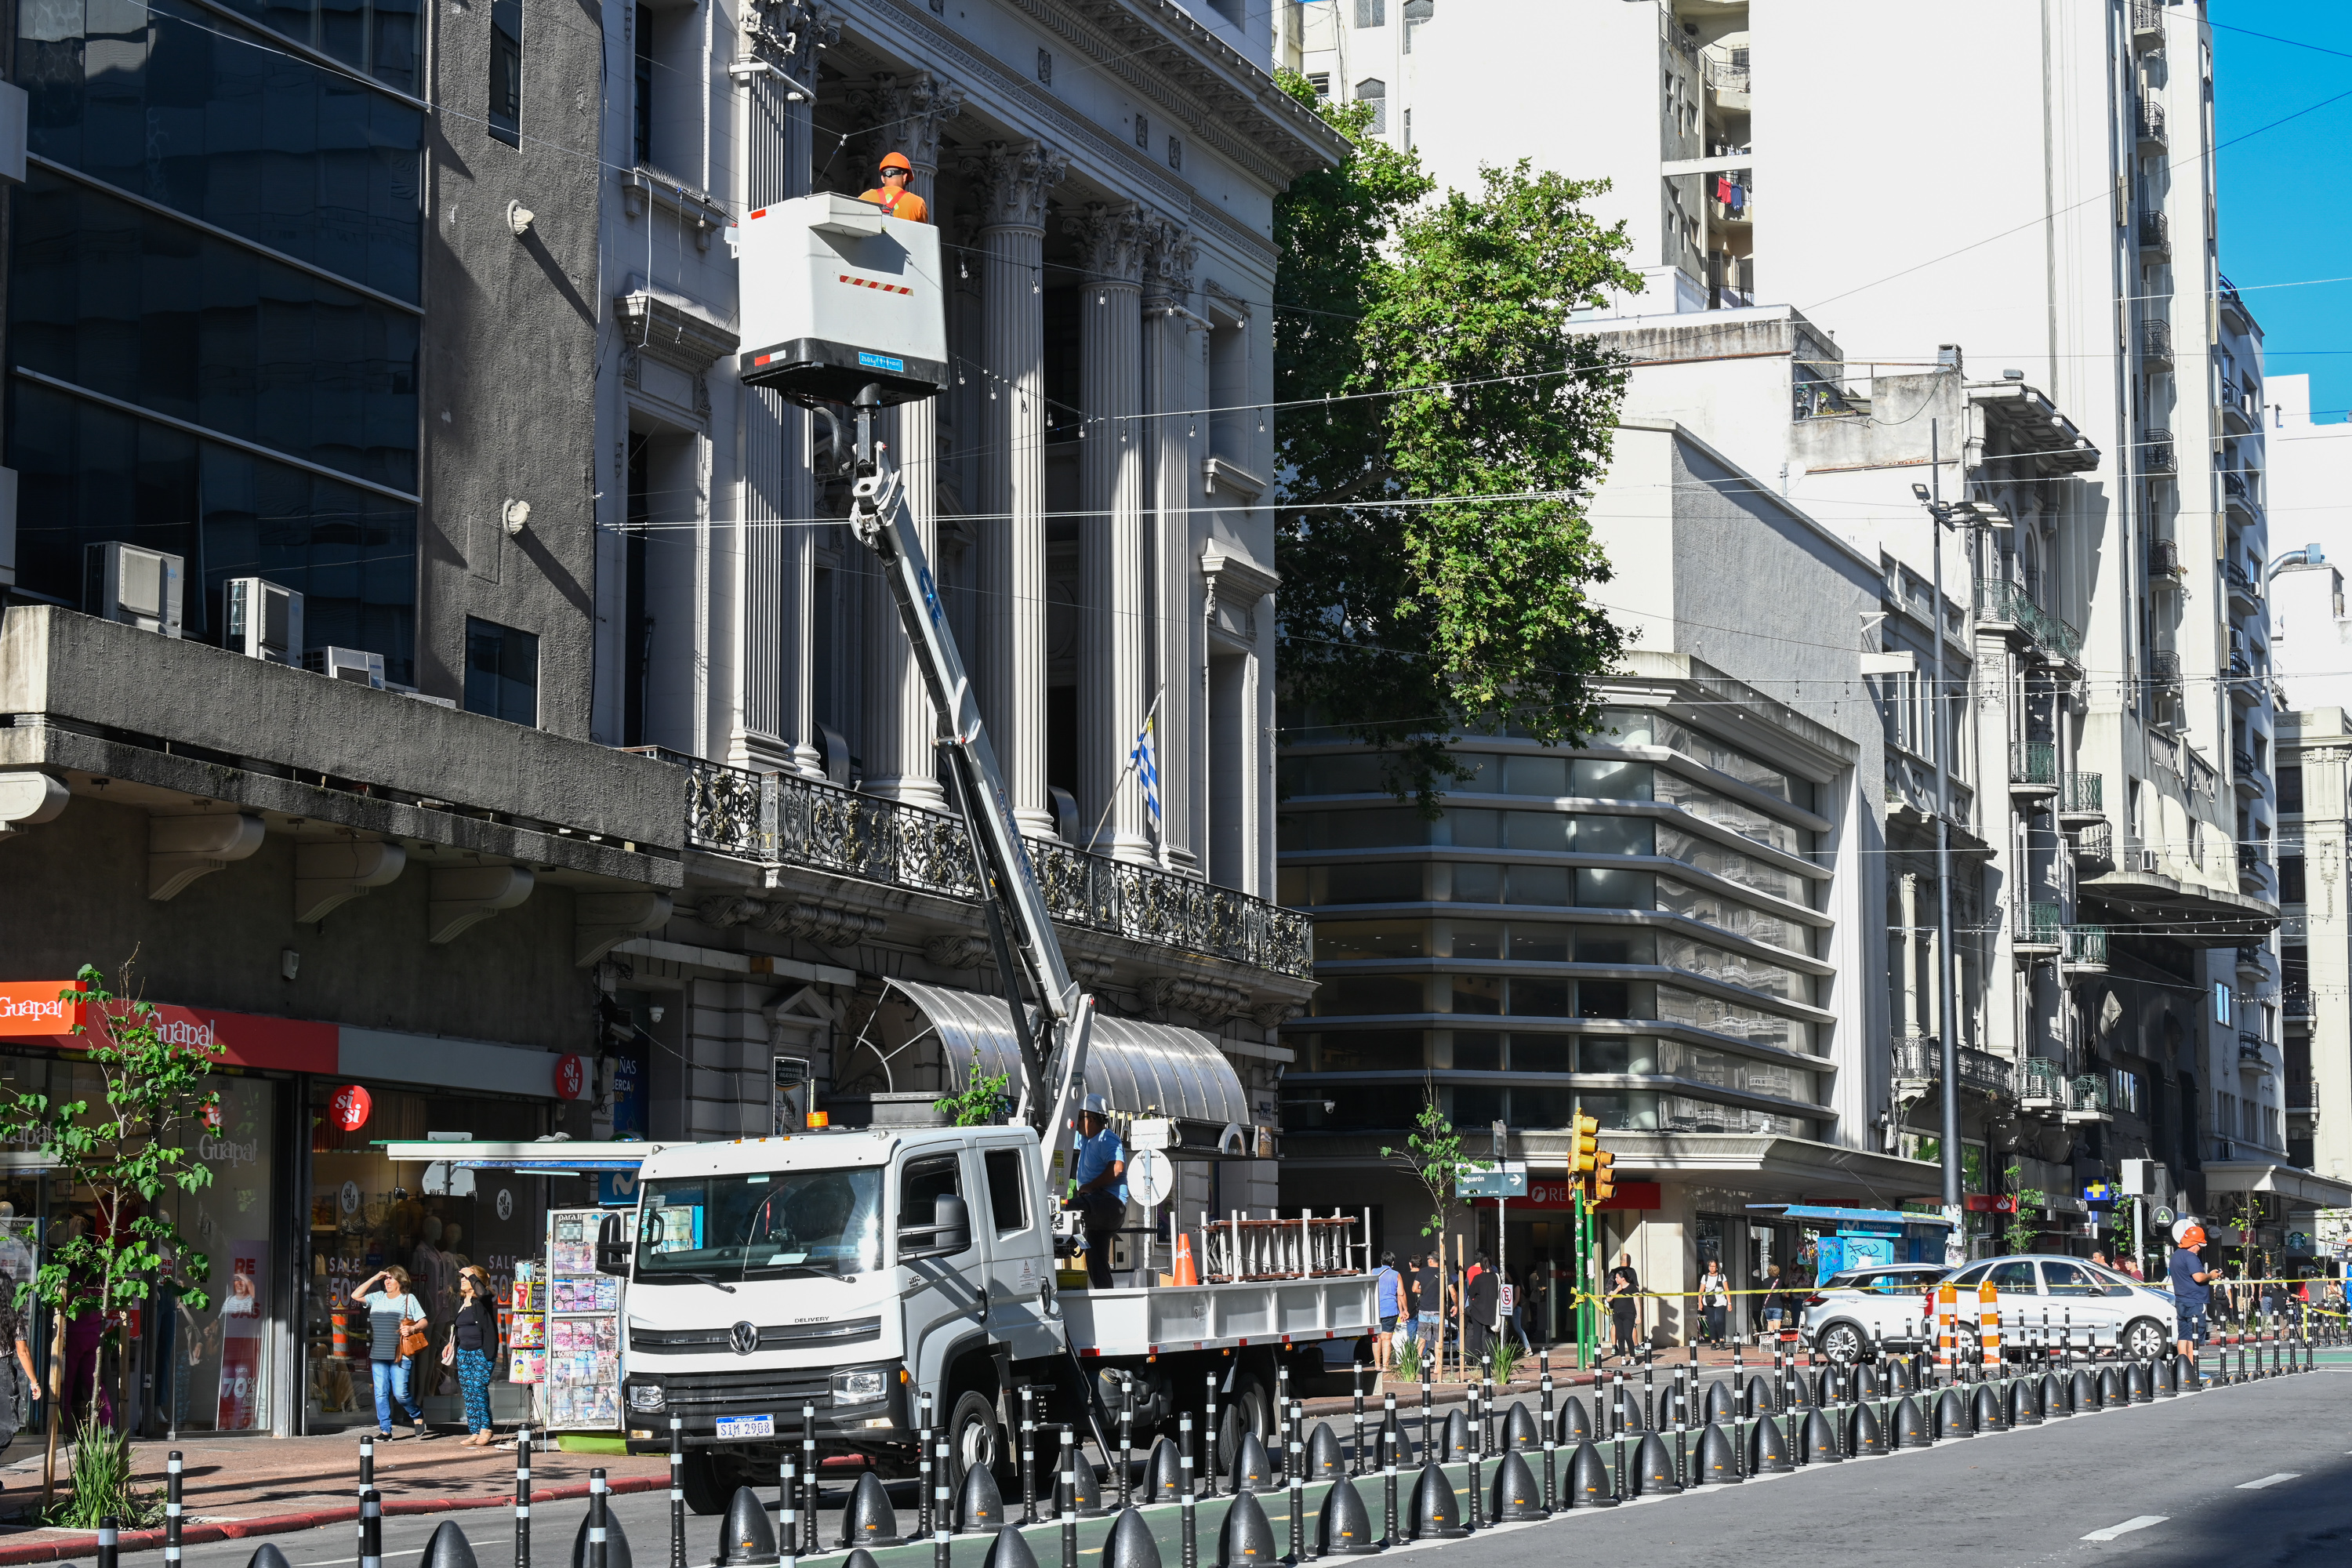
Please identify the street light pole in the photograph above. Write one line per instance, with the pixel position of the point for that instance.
(1948, 1041)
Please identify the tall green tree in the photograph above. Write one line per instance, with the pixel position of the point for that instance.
(1443, 434)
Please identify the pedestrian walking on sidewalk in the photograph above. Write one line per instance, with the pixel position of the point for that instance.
(395, 1325)
(472, 1349)
(1715, 1301)
(1774, 1302)
(1624, 1304)
(1388, 1292)
(1483, 1301)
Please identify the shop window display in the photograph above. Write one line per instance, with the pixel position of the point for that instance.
(368, 1212)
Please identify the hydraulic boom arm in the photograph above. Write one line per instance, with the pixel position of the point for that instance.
(1054, 1077)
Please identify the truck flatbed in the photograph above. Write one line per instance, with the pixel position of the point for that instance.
(1163, 1320)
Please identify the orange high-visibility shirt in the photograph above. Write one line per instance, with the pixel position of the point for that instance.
(906, 205)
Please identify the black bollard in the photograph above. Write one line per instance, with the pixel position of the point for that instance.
(1213, 1436)
(1649, 1396)
(1126, 1439)
(979, 1506)
(371, 1529)
(924, 1449)
(1009, 1550)
(1588, 1479)
(1475, 1521)
(942, 1469)
(788, 1509)
(1189, 1534)
(1324, 1460)
(599, 1520)
(1389, 1536)
(1185, 1486)
(1281, 1410)
(1515, 1499)
(106, 1541)
(367, 1481)
(1654, 1468)
(1029, 1453)
(1356, 1454)
(1298, 1480)
(522, 1498)
(810, 1495)
(1719, 1458)
(1427, 1399)
(1768, 1450)
(1065, 1499)
(678, 1492)
(172, 1510)
(1435, 1516)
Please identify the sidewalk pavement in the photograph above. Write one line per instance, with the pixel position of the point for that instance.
(242, 1486)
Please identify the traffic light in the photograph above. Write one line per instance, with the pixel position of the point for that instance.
(1604, 1175)
(1588, 1143)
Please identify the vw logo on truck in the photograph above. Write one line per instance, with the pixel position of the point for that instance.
(743, 1339)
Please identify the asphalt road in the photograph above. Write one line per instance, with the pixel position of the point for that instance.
(2255, 1475)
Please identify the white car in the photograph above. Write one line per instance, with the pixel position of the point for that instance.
(2044, 1297)
(1851, 1314)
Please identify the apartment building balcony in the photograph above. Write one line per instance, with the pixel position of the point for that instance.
(2152, 137)
(2253, 871)
(2251, 968)
(2238, 495)
(2154, 230)
(2155, 452)
(2155, 337)
(1919, 1066)
(2086, 950)
(2233, 306)
(2040, 929)
(2246, 778)
(2041, 1086)
(2082, 800)
(2148, 25)
(2005, 607)
(2093, 847)
(2033, 770)
(2089, 1098)
(2146, 890)
(2240, 412)
(2254, 1052)
(2295, 1001)
(2246, 593)
(1723, 72)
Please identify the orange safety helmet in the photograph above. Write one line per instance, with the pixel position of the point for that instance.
(2193, 1237)
(896, 161)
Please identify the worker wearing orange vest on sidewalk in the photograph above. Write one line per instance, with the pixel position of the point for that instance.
(893, 197)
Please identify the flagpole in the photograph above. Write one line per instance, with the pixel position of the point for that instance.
(1118, 783)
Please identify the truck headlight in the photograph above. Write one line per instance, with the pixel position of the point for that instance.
(647, 1396)
(856, 1387)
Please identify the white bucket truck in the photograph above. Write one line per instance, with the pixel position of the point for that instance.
(839, 1276)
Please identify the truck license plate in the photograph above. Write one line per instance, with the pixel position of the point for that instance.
(747, 1426)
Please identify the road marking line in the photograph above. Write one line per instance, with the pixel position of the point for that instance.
(2128, 1526)
(2268, 1481)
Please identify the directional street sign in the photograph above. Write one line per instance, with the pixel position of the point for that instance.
(1509, 1182)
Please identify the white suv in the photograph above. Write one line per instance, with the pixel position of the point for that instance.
(1851, 1314)
(2067, 1298)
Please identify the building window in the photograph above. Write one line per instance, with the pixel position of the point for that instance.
(1046, 67)
(2291, 888)
(645, 84)
(1372, 12)
(1375, 91)
(2289, 780)
(1408, 130)
(1416, 11)
(1143, 131)
(506, 71)
(502, 672)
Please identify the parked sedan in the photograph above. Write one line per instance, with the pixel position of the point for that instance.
(1851, 1314)
(2049, 1299)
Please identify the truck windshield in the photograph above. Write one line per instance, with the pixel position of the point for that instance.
(768, 1223)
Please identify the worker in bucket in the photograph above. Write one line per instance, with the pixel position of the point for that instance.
(1102, 1186)
(893, 197)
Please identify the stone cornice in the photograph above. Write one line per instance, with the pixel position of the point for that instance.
(936, 47)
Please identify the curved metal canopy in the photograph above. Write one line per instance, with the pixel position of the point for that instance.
(1142, 1069)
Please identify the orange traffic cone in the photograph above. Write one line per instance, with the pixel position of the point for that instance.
(1185, 1273)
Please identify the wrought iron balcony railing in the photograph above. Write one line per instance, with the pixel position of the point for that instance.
(2087, 946)
(790, 820)
(2156, 451)
(2034, 763)
(2082, 794)
(2041, 1079)
(2090, 1092)
(1920, 1058)
(2003, 602)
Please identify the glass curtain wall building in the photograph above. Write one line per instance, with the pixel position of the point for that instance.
(1636, 926)
(216, 303)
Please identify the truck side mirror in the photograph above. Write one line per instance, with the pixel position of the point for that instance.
(612, 1252)
(950, 1224)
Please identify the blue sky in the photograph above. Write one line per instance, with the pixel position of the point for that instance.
(2280, 223)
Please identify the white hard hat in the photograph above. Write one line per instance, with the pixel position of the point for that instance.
(2182, 1226)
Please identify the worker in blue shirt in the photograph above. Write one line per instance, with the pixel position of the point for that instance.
(2191, 1286)
(1102, 1186)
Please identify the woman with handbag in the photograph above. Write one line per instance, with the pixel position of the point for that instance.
(473, 1349)
(395, 1332)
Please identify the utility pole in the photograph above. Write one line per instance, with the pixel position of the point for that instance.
(1948, 1031)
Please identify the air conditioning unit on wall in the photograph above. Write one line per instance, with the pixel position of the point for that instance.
(132, 585)
(264, 621)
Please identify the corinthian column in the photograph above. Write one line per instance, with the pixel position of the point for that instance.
(898, 725)
(1181, 652)
(1013, 178)
(1112, 568)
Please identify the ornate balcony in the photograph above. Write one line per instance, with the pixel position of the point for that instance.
(2090, 1099)
(2007, 604)
(2039, 929)
(2082, 799)
(2156, 451)
(2152, 124)
(2147, 25)
(784, 819)
(1919, 1059)
(2032, 768)
(2156, 237)
(2087, 949)
(2041, 1085)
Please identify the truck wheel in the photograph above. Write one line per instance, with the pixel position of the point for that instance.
(974, 1435)
(699, 1478)
(1248, 1408)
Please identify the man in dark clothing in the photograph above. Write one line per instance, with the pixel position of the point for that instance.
(1624, 1304)
(2191, 1287)
(1426, 1282)
(1484, 1294)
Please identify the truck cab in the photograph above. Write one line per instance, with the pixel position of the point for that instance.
(832, 1278)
